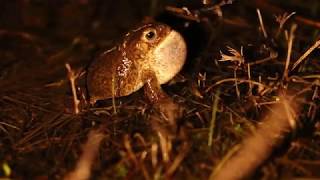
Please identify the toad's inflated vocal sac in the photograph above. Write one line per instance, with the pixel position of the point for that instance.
(147, 56)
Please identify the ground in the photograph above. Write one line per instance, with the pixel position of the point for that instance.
(244, 59)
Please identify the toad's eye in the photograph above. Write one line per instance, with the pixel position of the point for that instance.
(150, 35)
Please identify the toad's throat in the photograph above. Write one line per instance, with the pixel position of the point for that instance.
(169, 56)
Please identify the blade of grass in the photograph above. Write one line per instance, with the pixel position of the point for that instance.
(226, 158)
(290, 42)
(213, 117)
(114, 93)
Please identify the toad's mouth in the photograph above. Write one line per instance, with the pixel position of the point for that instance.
(170, 56)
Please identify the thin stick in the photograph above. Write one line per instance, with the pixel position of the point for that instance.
(303, 57)
(282, 19)
(249, 77)
(240, 81)
(258, 147)
(213, 117)
(72, 77)
(265, 35)
(267, 6)
(87, 159)
(290, 41)
(133, 157)
(114, 94)
(165, 145)
(224, 160)
(154, 153)
(177, 161)
(236, 83)
(273, 55)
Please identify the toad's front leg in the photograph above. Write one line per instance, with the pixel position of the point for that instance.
(165, 105)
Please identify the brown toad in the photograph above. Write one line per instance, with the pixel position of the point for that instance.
(147, 56)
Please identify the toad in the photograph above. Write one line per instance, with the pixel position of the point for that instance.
(148, 56)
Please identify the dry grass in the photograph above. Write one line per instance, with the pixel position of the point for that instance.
(228, 90)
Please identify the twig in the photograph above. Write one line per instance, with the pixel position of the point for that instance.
(177, 161)
(265, 35)
(249, 78)
(9, 125)
(239, 82)
(213, 117)
(282, 19)
(183, 13)
(11, 99)
(114, 93)
(224, 160)
(255, 149)
(266, 6)
(290, 41)
(133, 157)
(72, 77)
(313, 108)
(303, 57)
(273, 55)
(89, 154)
(236, 83)
(195, 15)
(154, 153)
(165, 145)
